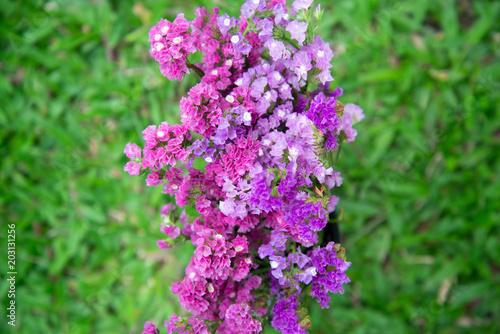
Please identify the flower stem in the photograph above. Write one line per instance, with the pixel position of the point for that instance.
(338, 153)
(195, 68)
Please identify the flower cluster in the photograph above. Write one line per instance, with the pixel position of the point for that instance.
(263, 127)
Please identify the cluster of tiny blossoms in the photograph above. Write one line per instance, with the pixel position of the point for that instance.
(265, 125)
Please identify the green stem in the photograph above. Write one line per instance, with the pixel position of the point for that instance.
(195, 68)
(330, 159)
(292, 42)
(260, 270)
(338, 153)
(247, 29)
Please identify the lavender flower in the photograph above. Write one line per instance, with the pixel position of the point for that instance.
(225, 22)
(300, 4)
(297, 30)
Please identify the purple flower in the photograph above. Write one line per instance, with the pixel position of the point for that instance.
(322, 55)
(324, 76)
(355, 111)
(330, 273)
(225, 22)
(299, 258)
(265, 27)
(275, 245)
(251, 6)
(300, 4)
(297, 30)
(227, 207)
(324, 116)
(258, 87)
(352, 114)
(277, 49)
(301, 64)
(332, 203)
(259, 127)
(278, 264)
(239, 44)
(334, 180)
(280, 14)
(307, 275)
(285, 318)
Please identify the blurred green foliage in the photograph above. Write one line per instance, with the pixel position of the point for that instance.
(421, 192)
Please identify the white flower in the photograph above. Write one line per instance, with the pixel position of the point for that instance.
(159, 46)
(247, 116)
(293, 151)
(235, 39)
(303, 69)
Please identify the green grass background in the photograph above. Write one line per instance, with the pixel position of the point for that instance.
(421, 192)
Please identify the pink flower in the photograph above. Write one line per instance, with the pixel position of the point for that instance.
(171, 43)
(192, 295)
(132, 168)
(162, 244)
(154, 179)
(171, 230)
(132, 151)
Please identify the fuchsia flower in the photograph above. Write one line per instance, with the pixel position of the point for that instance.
(132, 151)
(260, 126)
(132, 168)
(150, 328)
